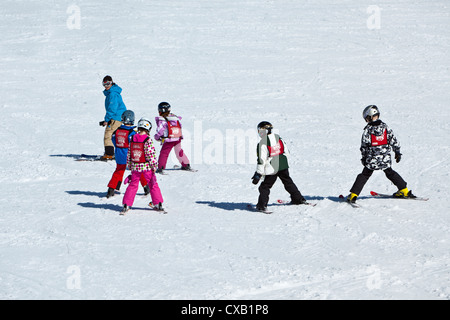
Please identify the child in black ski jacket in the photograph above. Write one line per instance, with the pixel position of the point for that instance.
(376, 144)
(272, 164)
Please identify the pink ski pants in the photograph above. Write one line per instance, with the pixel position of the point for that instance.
(165, 151)
(132, 188)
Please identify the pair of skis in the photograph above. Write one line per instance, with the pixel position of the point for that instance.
(342, 198)
(152, 207)
(381, 195)
(280, 201)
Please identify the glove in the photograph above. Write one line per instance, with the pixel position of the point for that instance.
(398, 157)
(127, 179)
(256, 177)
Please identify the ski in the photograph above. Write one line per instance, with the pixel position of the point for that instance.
(354, 205)
(287, 202)
(87, 157)
(152, 207)
(90, 157)
(177, 167)
(390, 196)
(253, 208)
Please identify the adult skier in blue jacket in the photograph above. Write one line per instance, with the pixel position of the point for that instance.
(115, 107)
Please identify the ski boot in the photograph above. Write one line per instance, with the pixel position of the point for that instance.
(146, 190)
(352, 197)
(186, 167)
(160, 170)
(301, 200)
(261, 209)
(404, 193)
(110, 193)
(157, 207)
(124, 210)
(107, 157)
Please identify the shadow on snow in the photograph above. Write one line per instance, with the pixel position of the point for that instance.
(87, 193)
(229, 206)
(74, 156)
(232, 206)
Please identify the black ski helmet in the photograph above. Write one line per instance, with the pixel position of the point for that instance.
(164, 107)
(265, 125)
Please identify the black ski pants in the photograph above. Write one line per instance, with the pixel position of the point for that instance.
(362, 178)
(289, 185)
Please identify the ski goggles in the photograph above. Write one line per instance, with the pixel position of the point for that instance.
(107, 83)
(263, 132)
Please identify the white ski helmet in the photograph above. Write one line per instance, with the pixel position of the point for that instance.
(370, 111)
(144, 123)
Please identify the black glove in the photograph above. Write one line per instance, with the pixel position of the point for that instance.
(102, 123)
(256, 177)
(398, 157)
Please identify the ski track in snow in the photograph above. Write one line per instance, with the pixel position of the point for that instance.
(309, 68)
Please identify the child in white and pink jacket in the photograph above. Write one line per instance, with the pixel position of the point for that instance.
(168, 131)
(141, 160)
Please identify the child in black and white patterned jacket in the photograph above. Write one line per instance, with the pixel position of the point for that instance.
(377, 142)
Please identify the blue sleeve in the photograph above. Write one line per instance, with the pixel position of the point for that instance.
(111, 106)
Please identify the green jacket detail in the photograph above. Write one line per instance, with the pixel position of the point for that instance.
(272, 155)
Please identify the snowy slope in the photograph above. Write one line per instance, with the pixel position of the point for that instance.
(309, 67)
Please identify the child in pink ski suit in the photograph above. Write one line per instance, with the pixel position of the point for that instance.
(141, 160)
(169, 133)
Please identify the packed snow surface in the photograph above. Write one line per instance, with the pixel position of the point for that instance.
(308, 67)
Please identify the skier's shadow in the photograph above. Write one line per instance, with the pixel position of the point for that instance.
(107, 206)
(87, 193)
(229, 206)
(334, 199)
(65, 155)
(74, 156)
(115, 207)
(232, 206)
